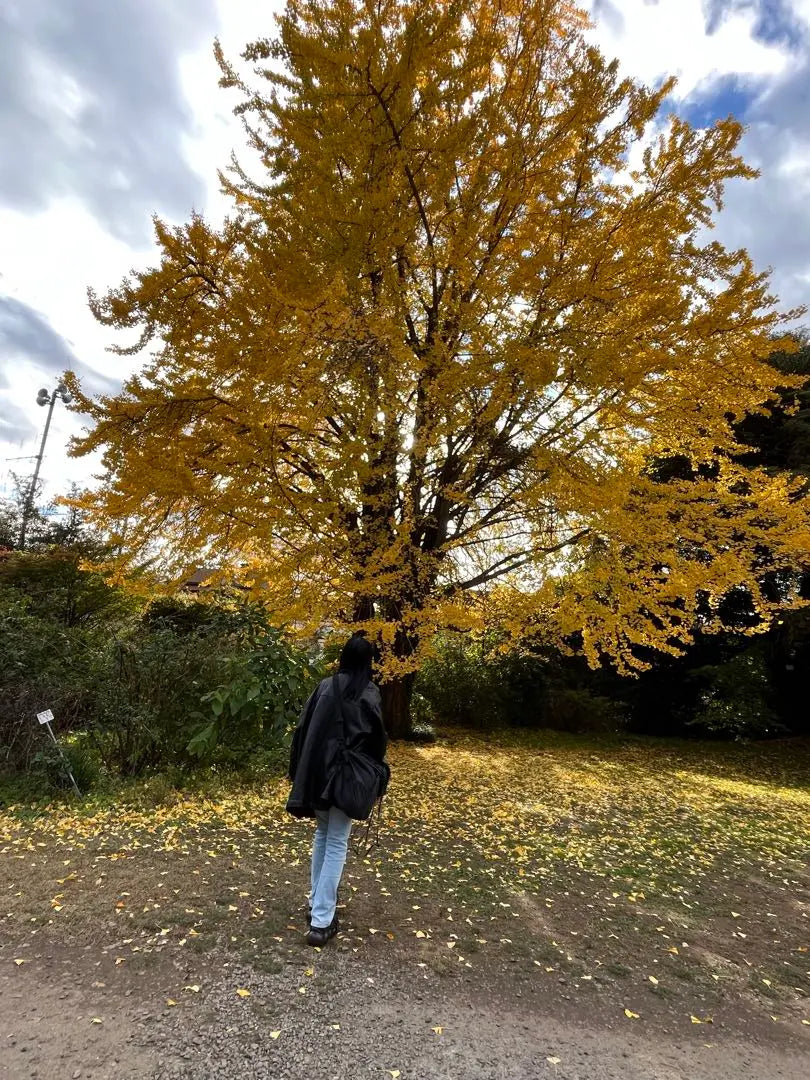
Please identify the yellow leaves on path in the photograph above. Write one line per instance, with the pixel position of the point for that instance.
(274, 1034)
(438, 1030)
(96, 1020)
(673, 833)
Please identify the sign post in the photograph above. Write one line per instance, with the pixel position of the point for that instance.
(45, 719)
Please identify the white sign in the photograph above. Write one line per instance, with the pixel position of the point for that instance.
(45, 717)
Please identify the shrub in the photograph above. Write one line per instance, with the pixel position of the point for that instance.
(734, 698)
(60, 589)
(457, 686)
(580, 710)
(469, 681)
(48, 767)
(213, 691)
(45, 665)
(188, 684)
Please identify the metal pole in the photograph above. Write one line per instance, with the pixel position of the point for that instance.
(32, 488)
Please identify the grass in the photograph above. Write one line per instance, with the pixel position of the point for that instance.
(673, 874)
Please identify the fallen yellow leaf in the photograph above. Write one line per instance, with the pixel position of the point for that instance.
(438, 1030)
(553, 1060)
(653, 980)
(274, 1034)
(310, 972)
(194, 989)
(395, 1073)
(631, 1015)
(170, 1001)
(96, 1020)
(243, 993)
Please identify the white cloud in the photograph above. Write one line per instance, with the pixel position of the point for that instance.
(51, 254)
(54, 254)
(217, 133)
(655, 40)
(769, 216)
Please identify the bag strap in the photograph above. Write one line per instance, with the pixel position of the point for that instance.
(367, 843)
(338, 696)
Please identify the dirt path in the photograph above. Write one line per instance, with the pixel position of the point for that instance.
(357, 1017)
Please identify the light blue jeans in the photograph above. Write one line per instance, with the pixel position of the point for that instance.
(329, 850)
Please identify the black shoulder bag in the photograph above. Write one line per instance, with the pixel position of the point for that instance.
(356, 780)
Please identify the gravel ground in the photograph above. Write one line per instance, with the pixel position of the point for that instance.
(357, 1017)
(387, 1025)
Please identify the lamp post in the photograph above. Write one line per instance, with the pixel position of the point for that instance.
(43, 398)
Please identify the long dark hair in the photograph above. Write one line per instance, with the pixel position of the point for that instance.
(356, 658)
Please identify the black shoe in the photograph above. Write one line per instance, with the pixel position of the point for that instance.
(319, 935)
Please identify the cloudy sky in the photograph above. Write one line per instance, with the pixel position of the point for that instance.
(109, 112)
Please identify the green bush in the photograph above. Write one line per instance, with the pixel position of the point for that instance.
(734, 699)
(46, 665)
(61, 590)
(457, 686)
(213, 694)
(579, 710)
(48, 767)
(469, 681)
(188, 683)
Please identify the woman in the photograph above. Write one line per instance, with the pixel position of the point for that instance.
(313, 755)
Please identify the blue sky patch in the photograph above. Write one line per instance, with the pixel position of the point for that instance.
(727, 96)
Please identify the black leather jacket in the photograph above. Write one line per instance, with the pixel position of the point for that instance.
(315, 741)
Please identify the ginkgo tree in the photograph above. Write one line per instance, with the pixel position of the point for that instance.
(465, 295)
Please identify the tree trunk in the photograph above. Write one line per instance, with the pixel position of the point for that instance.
(396, 706)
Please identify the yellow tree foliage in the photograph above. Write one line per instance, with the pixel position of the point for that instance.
(466, 298)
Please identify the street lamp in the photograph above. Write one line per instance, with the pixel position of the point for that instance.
(43, 398)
